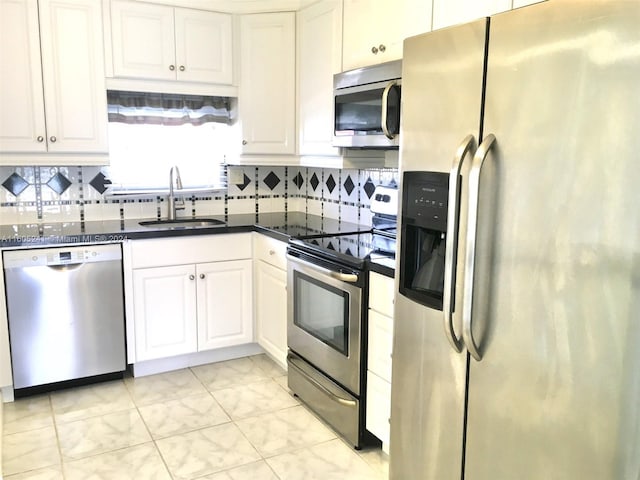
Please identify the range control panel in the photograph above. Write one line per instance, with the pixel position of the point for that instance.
(424, 199)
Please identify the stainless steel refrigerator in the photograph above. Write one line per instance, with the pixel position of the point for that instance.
(528, 366)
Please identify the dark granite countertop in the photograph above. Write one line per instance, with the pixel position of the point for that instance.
(382, 264)
(277, 225)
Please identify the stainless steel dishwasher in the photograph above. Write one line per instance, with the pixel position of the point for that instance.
(66, 313)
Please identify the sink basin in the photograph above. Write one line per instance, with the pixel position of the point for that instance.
(183, 223)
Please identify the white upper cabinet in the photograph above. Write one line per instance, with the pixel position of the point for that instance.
(52, 89)
(266, 97)
(319, 58)
(159, 42)
(452, 12)
(375, 29)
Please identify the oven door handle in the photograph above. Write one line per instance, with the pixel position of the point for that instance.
(343, 277)
(319, 386)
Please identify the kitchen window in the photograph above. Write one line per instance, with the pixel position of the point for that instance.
(151, 132)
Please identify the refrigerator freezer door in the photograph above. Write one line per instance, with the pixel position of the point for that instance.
(442, 95)
(557, 284)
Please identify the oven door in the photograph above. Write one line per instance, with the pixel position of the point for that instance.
(324, 312)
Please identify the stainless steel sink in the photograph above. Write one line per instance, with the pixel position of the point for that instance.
(183, 223)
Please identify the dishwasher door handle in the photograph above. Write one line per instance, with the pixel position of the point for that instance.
(66, 267)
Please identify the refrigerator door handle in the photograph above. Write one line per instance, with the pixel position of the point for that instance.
(451, 248)
(474, 194)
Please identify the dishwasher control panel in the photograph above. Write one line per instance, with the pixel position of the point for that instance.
(60, 256)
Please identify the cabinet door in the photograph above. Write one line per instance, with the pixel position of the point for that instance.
(271, 310)
(374, 30)
(319, 58)
(21, 101)
(143, 40)
(380, 345)
(267, 85)
(165, 311)
(203, 46)
(452, 12)
(225, 306)
(378, 408)
(73, 74)
(381, 293)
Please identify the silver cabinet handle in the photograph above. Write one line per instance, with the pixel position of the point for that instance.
(385, 103)
(172, 67)
(470, 259)
(272, 252)
(382, 48)
(450, 257)
(182, 68)
(244, 142)
(40, 139)
(53, 139)
(202, 276)
(319, 386)
(374, 50)
(192, 277)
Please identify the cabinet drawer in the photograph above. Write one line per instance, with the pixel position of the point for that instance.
(380, 345)
(160, 252)
(270, 250)
(381, 291)
(378, 406)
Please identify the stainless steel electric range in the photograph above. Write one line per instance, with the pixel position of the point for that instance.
(327, 307)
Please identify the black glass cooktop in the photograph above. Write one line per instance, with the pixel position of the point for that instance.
(353, 249)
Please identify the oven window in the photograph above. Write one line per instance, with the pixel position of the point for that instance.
(322, 311)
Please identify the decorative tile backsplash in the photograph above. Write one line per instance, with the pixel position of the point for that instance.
(66, 194)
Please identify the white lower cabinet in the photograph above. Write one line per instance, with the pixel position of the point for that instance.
(225, 316)
(271, 296)
(165, 311)
(191, 306)
(380, 344)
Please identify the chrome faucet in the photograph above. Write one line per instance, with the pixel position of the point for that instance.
(172, 198)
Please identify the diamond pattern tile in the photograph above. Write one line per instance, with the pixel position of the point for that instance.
(349, 185)
(15, 184)
(271, 180)
(369, 187)
(314, 182)
(100, 183)
(298, 180)
(245, 183)
(59, 183)
(331, 183)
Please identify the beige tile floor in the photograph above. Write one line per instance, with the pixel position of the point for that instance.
(231, 420)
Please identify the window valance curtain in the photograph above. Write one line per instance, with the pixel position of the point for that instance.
(167, 109)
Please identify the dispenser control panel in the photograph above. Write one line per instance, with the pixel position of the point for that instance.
(425, 196)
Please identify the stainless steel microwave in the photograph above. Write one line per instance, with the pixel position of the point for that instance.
(367, 106)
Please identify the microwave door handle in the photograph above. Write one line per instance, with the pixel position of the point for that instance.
(385, 103)
(450, 258)
(343, 277)
(472, 226)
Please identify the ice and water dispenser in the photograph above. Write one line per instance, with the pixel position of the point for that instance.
(423, 236)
